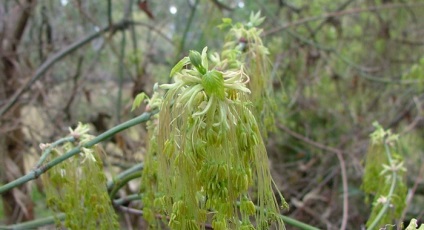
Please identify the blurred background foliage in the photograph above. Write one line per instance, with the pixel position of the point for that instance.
(337, 66)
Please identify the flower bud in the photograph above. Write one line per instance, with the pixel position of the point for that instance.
(196, 61)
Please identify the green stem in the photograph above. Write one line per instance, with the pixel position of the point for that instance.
(121, 77)
(135, 168)
(297, 224)
(127, 199)
(123, 182)
(391, 191)
(61, 216)
(104, 136)
(34, 224)
(49, 149)
(292, 222)
(50, 220)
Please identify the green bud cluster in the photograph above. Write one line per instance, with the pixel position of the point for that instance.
(77, 187)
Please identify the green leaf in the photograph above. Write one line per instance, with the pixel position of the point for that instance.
(413, 225)
(213, 83)
(255, 19)
(138, 100)
(179, 66)
(226, 22)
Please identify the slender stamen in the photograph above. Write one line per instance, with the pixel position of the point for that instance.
(208, 106)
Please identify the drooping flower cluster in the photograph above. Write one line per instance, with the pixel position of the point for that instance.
(77, 187)
(243, 47)
(211, 160)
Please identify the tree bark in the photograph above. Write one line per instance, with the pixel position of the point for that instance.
(14, 18)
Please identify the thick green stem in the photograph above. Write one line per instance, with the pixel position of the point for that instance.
(104, 136)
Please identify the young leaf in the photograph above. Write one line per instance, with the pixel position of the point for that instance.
(226, 22)
(179, 66)
(213, 83)
(138, 100)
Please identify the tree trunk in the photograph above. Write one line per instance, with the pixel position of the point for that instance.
(14, 17)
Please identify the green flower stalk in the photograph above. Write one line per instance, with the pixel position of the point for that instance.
(77, 187)
(212, 161)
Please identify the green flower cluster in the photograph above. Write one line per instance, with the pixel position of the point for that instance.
(77, 187)
(149, 176)
(384, 178)
(244, 46)
(211, 161)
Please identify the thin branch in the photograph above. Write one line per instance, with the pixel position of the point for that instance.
(140, 212)
(411, 193)
(67, 108)
(128, 10)
(34, 224)
(127, 199)
(417, 119)
(135, 168)
(57, 57)
(109, 12)
(339, 14)
(121, 183)
(187, 28)
(68, 50)
(222, 6)
(363, 71)
(301, 205)
(104, 136)
(153, 28)
(61, 216)
(121, 76)
(50, 147)
(339, 9)
(339, 155)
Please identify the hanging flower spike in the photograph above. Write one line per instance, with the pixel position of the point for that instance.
(210, 151)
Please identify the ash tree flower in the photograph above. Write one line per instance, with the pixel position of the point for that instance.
(210, 153)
